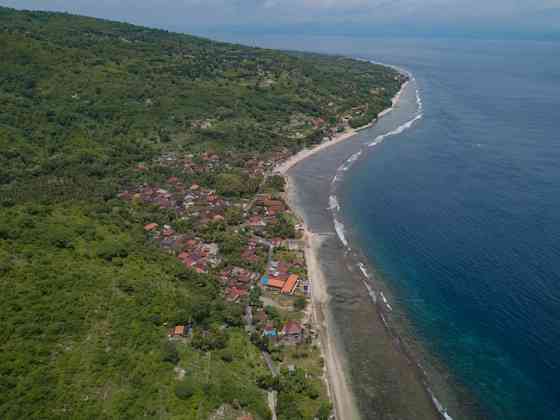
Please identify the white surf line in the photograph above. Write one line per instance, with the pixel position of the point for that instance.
(333, 203)
(400, 129)
(339, 227)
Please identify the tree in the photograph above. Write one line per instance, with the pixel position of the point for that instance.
(184, 390)
(300, 303)
(169, 353)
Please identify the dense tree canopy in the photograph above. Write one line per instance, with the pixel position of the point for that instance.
(87, 301)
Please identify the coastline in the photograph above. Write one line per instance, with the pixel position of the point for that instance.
(283, 168)
(336, 377)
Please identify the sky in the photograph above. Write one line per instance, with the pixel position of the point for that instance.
(429, 17)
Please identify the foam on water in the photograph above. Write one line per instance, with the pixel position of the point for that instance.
(334, 206)
(396, 131)
(333, 203)
(339, 228)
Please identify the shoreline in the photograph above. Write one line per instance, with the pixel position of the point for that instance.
(337, 380)
(345, 135)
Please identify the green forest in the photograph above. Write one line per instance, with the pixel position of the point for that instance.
(87, 301)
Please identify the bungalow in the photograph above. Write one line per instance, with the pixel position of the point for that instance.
(269, 330)
(233, 294)
(260, 317)
(178, 331)
(261, 199)
(168, 231)
(275, 205)
(256, 221)
(150, 227)
(292, 333)
(218, 218)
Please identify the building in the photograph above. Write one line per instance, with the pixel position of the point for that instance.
(292, 333)
(290, 285)
(150, 227)
(269, 331)
(274, 282)
(178, 331)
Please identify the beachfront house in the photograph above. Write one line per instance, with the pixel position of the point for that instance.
(292, 333)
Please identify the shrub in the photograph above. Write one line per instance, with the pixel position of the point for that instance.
(112, 249)
(227, 356)
(184, 390)
(300, 303)
(170, 353)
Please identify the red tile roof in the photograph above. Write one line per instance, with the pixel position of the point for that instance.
(179, 330)
(276, 282)
(290, 284)
(291, 328)
(150, 226)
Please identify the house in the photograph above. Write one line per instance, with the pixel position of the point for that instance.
(269, 330)
(273, 282)
(178, 331)
(168, 231)
(150, 227)
(293, 244)
(292, 333)
(256, 221)
(290, 285)
(260, 317)
(233, 294)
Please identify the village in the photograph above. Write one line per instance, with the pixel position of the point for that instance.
(251, 243)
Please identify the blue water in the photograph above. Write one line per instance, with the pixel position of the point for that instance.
(461, 215)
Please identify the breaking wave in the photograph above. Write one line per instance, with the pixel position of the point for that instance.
(346, 165)
(396, 131)
(377, 296)
(333, 203)
(339, 228)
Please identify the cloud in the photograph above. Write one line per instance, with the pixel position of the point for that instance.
(187, 14)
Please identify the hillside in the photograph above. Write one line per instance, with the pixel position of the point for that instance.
(128, 156)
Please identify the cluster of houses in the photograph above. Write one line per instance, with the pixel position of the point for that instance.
(192, 252)
(237, 282)
(264, 213)
(199, 255)
(147, 194)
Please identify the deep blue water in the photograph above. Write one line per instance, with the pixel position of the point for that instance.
(461, 215)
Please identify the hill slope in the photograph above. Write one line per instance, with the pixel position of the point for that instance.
(91, 107)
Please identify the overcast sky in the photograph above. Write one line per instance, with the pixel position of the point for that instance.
(538, 16)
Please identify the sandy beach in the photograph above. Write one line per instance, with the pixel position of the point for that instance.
(339, 389)
(305, 153)
(370, 372)
(345, 135)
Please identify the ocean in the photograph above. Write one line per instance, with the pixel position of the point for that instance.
(461, 216)
(458, 215)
